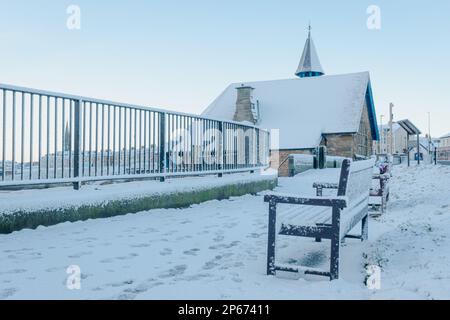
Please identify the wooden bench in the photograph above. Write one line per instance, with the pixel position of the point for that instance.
(322, 217)
(379, 193)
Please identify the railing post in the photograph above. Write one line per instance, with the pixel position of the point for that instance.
(77, 145)
(162, 145)
(222, 152)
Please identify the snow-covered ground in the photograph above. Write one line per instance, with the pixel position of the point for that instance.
(217, 250)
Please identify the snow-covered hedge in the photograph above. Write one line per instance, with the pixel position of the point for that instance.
(30, 209)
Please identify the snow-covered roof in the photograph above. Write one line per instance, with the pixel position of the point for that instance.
(445, 136)
(309, 61)
(304, 108)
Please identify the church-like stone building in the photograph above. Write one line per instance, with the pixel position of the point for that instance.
(310, 110)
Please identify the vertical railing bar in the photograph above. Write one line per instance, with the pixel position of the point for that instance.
(185, 152)
(198, 151)
(78, 107)
(13, 164)
(129, 139)
(162, 143)
(145, 140)
(180, 144)
(40, 137)
(31, 135)
(120, 139)
(4, 137)
(109, 140)
(114, 141)
(83, 108)
(172, 146)
(135, 139)
(47, 151)
(183, 132)
(55, 158)
(140, 142)
(191, 134)
(172, 142)
(96, 139)
(71, 134)
(176, 143)
(169, 138)
(22, 137)
(125, 130)
(103, 140)
(63, 134)
(154, 141)
(207, 145)
(90, 139)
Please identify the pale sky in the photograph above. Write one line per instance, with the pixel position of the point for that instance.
(180, 55)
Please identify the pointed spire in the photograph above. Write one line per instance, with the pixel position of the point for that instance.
(309, 63)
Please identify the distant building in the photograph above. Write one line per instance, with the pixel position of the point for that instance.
(444, 147)
(311, 110)
(426, 149)
(399, 139)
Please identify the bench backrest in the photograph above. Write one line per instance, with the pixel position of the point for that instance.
(356, 180)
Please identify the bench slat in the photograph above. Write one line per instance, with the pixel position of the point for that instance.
(306, 231)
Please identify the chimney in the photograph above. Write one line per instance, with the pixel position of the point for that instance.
(244, 105)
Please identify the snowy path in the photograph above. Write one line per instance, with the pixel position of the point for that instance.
(217, 250)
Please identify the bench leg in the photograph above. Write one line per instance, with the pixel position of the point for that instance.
(319, 192)
(365, 229)
(271, 239)
(335, 245)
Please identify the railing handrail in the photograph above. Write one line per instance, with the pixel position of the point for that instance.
(55, 94)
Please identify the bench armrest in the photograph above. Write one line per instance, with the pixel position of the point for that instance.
(385, 176)
(340, 202)
(319, 186)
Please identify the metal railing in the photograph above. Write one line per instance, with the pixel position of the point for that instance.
(51, 138)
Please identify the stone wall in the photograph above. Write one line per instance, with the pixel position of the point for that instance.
(342, 145)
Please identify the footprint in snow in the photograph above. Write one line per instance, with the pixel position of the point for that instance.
(192, 252)
(6, 293)
(140, 245)
(166, 252)
(175, 271)
(80, 254)
(225, 246)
